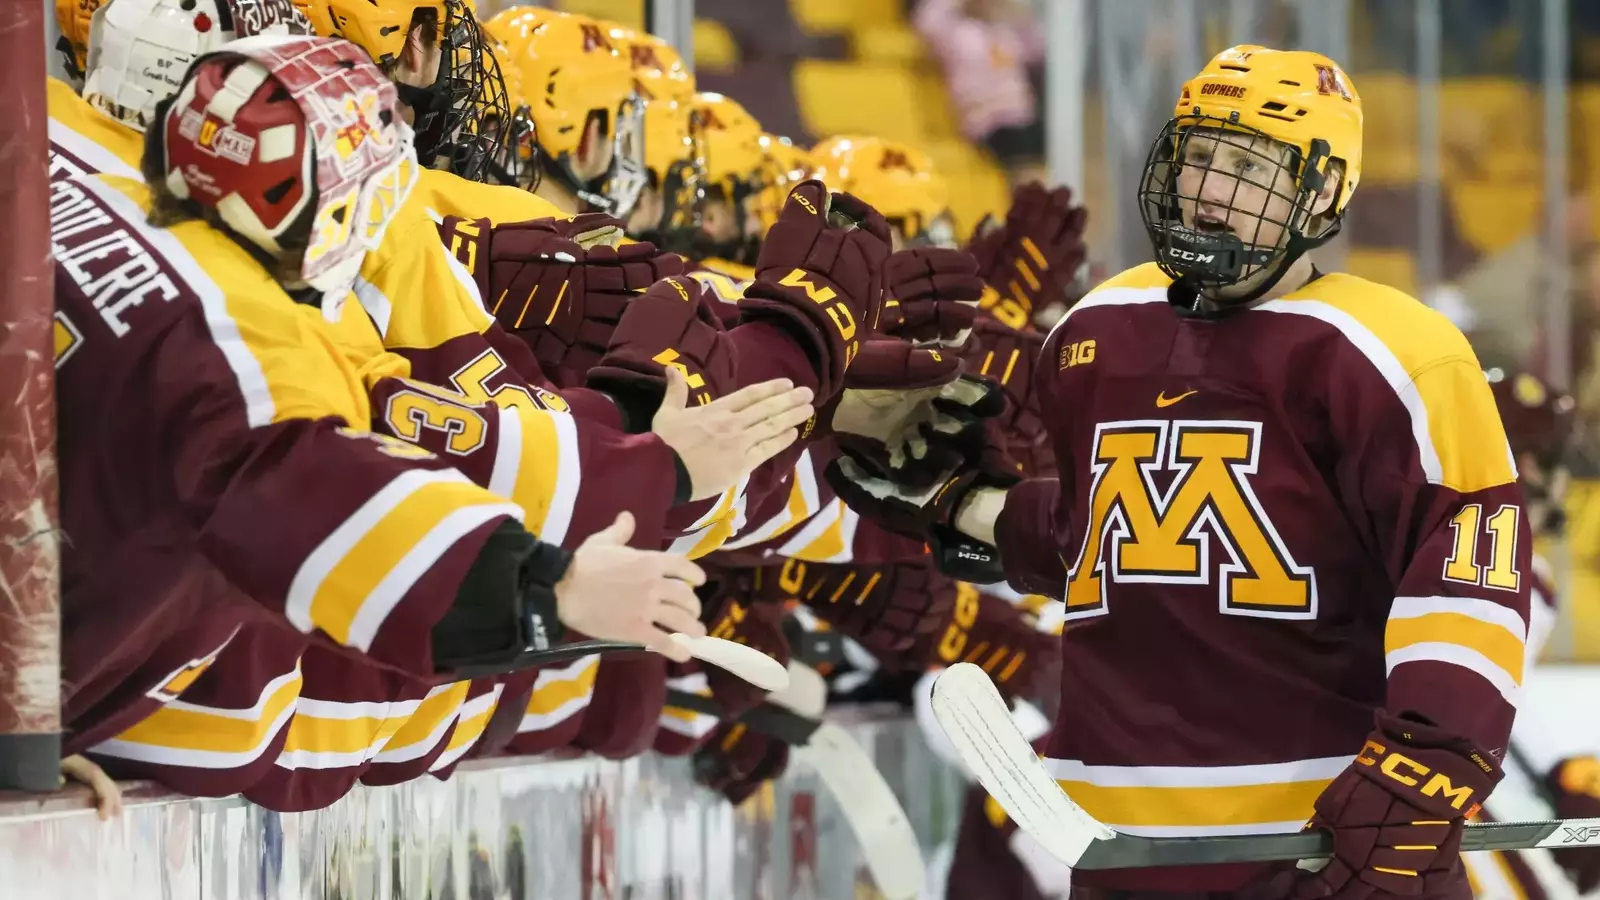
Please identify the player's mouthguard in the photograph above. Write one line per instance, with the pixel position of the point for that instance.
(1212, 254)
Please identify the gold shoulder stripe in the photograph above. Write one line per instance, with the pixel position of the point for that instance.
(1431, 368)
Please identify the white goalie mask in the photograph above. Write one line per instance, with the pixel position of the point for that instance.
(139, 50)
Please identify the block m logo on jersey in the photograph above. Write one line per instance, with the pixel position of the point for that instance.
(1204, 527)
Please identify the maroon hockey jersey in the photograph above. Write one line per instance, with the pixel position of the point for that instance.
(1266, 526)
(216, 725)
(195, 423)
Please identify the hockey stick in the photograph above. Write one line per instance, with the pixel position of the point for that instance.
(744, 662)
(1520, 759)
(874, 814)
(978, 722)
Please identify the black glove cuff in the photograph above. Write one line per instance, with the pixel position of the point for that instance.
(483, 624)
(506, 606)
(964, 558)
(683, 485)
(541, 620)
(636, 404)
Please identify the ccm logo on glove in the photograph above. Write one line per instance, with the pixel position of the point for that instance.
(838, 312)
(1411, 773)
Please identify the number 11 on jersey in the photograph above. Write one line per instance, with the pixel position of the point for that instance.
(1469, 527)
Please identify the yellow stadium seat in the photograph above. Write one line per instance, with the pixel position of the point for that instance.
(1390, 133)
(1385, 265)
(978, 185)
(846, 98)
(1584, 139)
(1582, 591)
(627, 13)
(888, 44)
(1492, 214)
(835, 16)
(1489, 129)
(1492, 129)
(715, 50)
(933, 97)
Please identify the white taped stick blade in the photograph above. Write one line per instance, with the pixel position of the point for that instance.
(884, 834)
(746, 662)
(976, 719)
(807, 693)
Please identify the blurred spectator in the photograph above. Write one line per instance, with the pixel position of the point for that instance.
(1498, 301)
(986, 48)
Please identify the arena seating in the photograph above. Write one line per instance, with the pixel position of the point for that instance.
(812, 68)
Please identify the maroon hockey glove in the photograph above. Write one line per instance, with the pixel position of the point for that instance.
(1008, 356)
(630, 690)
(888, 609)
(468, 241)
(758, 625)
(881, 400)
(921, 445)
(590, 229)
(934, 293)
(913, 512)
(667, 325)
(736, 761)
(729, 607)
(896, 365)
(989, 632)
(1397, 812)
(561, 299)
(1036, 258)
(1575, 786)
(988, 238)
(820, 276)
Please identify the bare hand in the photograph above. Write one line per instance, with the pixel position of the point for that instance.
(614, 592)
(107, 796)
(728, 438)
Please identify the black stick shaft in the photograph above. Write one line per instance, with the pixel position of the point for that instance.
(1130, 851)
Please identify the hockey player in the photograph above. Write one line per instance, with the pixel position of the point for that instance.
(124, 76)
(899, 182)
(667, 213)
(450, 86)
(135, 45)
(589, 128)
(1286, 524)
(730, 232)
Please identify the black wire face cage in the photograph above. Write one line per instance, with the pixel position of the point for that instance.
(939, 231)
(459, 120)
(745, 248)
(517, 161)
(942, 231)
(1222, 202)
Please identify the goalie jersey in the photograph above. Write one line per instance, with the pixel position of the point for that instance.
(188, 414)
(1266, 526)
(84, 140)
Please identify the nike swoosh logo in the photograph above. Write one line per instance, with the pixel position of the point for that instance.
(1163, 401)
